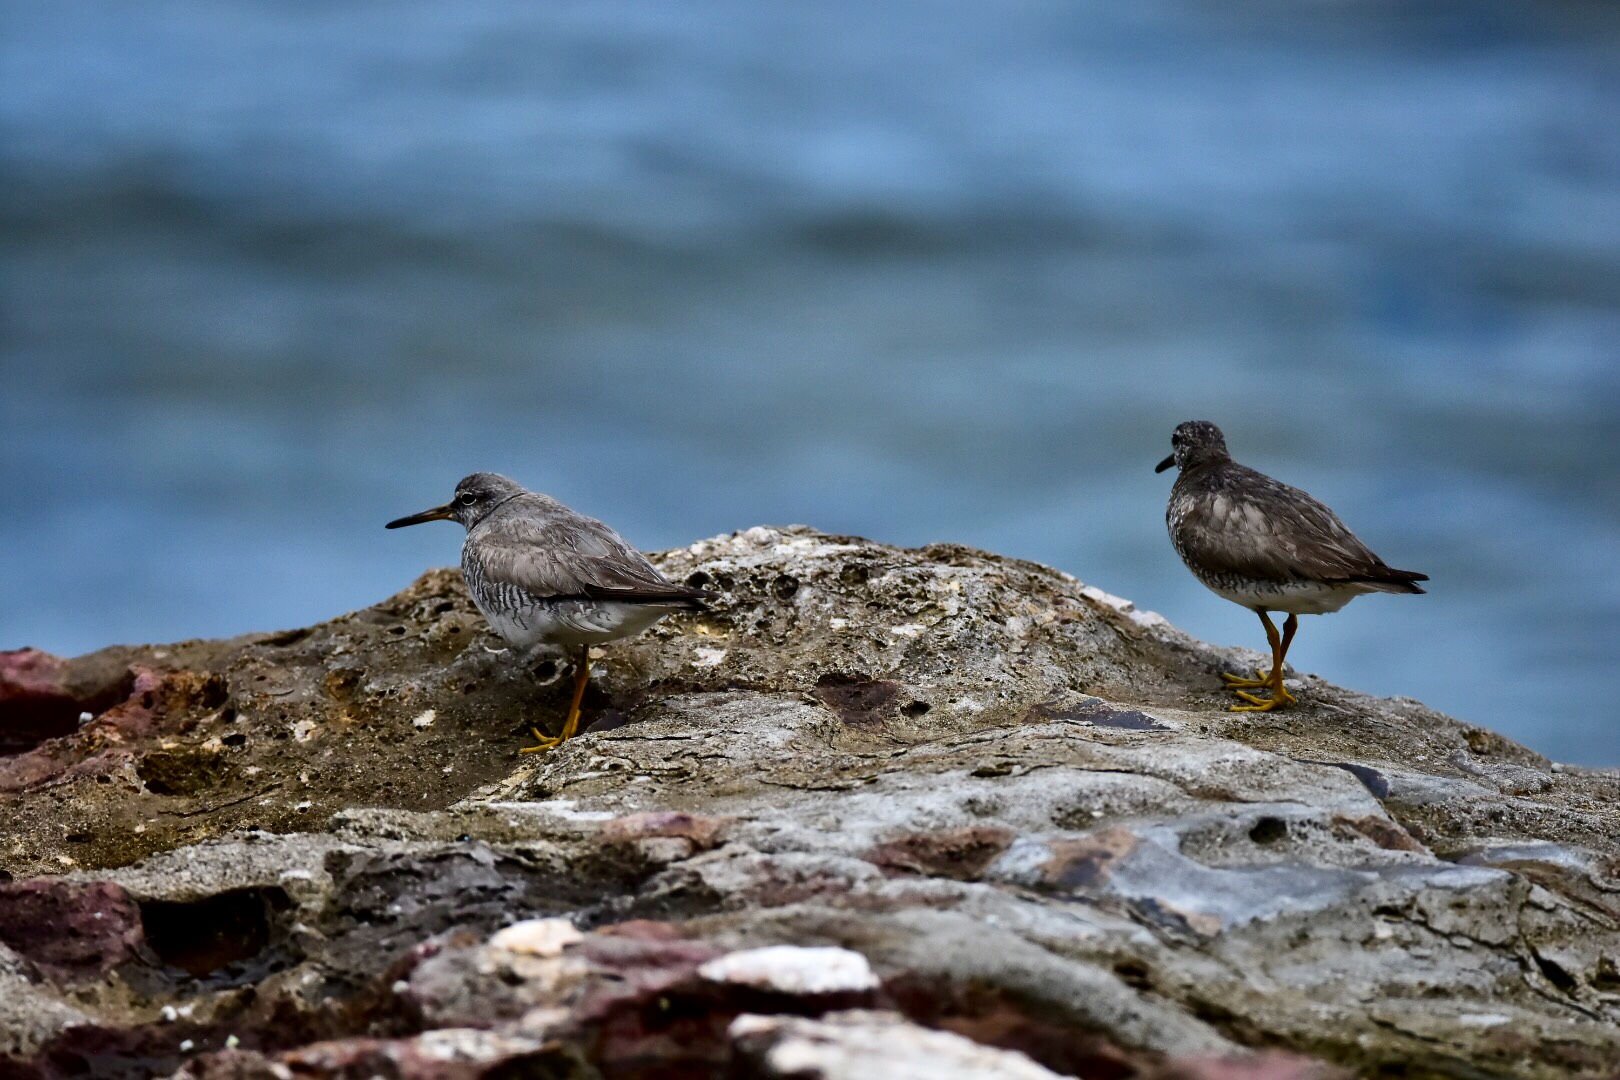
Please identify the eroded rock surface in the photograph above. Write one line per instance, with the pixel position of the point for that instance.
(878, 798)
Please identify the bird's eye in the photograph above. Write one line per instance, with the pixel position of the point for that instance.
(466, 498)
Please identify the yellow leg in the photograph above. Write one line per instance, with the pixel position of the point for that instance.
(571, 725)
(1280, 697)
(582, 679)
(1263, 678)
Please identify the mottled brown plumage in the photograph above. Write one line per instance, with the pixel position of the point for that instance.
(1263, 544)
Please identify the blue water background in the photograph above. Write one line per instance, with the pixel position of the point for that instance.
(274, 273)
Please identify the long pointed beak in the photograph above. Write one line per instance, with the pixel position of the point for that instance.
(438, 513)
(1163, 465)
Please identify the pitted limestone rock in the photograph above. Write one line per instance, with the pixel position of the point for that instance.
(1012, 801)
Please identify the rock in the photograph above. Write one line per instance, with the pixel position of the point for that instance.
(31, 1015)
(72, 930)
(845, 1046)
(876, 798)
(794, 970)
(538, 937)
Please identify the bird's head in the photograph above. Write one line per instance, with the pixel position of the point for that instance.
(475, 497)
(1195, 442)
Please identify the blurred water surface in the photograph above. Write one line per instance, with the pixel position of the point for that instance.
(274, 273)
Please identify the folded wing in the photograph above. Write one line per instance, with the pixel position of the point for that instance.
(1269, 531)
(570, 556)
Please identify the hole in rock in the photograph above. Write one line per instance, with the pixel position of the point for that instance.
(209, 936)
(215, 693)
(545, 670)
(609, 719)
(1556, 974)
(915, 708)
(785, 586)
(1268, 830)
(1134, 973)
(699, 580)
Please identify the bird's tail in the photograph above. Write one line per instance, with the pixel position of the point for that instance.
(678, 597)
(1390, 580)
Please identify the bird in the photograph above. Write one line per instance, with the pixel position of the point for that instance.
(1267, 546)
(550, 579)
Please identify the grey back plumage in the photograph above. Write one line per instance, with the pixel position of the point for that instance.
(533, 544)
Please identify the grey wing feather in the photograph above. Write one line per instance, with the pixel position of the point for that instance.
(562, 553)
(1268, 530)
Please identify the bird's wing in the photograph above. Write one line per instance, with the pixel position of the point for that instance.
(560, 553)
(1269, 531)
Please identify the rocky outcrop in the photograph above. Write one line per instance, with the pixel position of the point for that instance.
(927, 813)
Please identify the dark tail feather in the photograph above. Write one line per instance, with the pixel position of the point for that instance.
(685, 599)
(699, 601)
(1389, 579)
(680, 597)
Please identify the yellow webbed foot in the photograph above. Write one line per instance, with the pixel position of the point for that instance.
(1238, 682)
(546, 743)
(1280, 699)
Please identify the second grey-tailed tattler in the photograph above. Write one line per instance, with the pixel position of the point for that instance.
(1267, 546)
(550, 579)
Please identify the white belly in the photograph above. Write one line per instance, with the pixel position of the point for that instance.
(572, 623)
(1296, 598)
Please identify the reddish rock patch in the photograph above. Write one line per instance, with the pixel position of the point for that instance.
(958, 854)
(702, 832)
(858, 700)
(1385, 833)
(74, 931)
(34, 703)
(1270, 1065)
(994, 1017)
(113, 734)
(1087, 860)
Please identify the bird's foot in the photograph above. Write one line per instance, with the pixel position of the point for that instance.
(546, 742)
(1280, 699)
(1238, 682)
